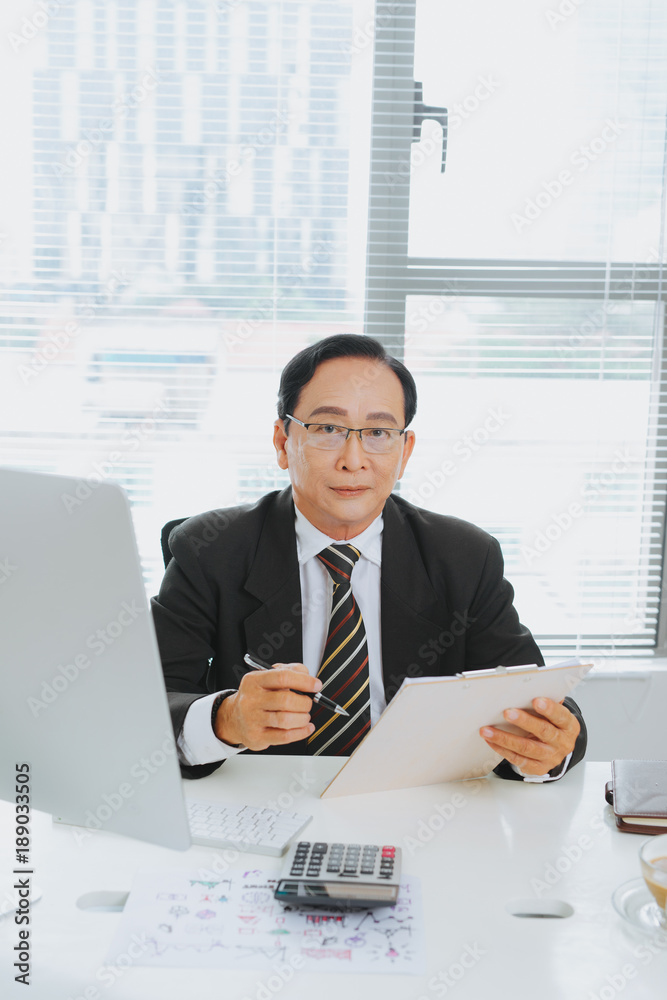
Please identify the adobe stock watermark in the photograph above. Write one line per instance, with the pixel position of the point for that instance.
(447, 979)
(102, 471)
(562, 521)
(569, 855)
(109, 973)
(7, 570)
(92, 138)
(564, 10)
(421, 318)
(62, 339)
(595, 320)
(221, 862)
(364, 34)
(616, 982)
(97, 643)
(31, 26)
(429, 652)
(265, 309)
(282, 974)
(553, 189)
(223, 6)
(113, 801)
(218, 182)
(443, 813)
(593, 323)
(464, 449)
(420, 152)
(299, 784)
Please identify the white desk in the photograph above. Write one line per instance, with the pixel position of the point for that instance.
(501, 835)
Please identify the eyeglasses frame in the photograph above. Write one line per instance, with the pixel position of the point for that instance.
(350, 430)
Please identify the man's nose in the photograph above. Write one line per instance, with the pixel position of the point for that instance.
(353, 455)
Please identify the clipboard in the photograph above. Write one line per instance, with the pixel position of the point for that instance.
(429, 732)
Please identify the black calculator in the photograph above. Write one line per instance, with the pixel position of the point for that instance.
(350, 876)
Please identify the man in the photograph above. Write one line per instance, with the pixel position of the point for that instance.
(338, 574)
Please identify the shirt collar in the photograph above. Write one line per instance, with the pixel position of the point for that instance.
(310, 540)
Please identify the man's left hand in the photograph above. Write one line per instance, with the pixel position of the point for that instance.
(550, 736)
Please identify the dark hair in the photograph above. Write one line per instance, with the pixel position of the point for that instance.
(299, 371)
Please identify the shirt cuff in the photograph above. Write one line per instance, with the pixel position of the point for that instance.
(197, 743)
(539, 778)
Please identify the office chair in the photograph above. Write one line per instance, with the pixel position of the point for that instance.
(164, 538)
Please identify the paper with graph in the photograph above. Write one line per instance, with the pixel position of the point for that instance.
(179, 918)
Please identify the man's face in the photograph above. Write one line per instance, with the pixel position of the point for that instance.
(342, 492)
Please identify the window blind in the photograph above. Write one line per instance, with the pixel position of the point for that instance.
(183, 210)
(526, 264)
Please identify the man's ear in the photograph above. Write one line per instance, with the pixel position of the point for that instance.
(408, 446)
(279, 442)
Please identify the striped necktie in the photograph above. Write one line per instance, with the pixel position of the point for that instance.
(344, 670)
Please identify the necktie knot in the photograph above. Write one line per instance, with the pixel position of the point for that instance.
(339, 560)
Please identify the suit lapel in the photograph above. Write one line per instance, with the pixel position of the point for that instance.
(273, 632)
(408, 603)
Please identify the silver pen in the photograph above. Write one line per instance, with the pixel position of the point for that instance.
(318, 698)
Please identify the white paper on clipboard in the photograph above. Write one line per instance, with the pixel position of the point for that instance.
(430, 731)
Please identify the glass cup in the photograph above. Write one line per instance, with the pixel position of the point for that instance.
(653, 861)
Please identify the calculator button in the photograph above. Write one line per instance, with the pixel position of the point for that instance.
(388, 852)
(367, 871)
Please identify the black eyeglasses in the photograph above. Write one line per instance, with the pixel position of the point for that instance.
(331, 437)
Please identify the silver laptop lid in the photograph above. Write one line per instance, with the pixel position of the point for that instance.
(83, 696)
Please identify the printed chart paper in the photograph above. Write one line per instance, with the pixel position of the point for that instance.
(234, 922)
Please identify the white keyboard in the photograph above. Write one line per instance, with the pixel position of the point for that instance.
(247, 828)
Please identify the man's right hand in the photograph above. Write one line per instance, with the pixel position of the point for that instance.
(265, 712)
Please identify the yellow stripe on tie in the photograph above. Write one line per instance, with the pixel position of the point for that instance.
(333, 717)
(342, 645)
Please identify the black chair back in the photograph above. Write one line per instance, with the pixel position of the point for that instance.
(164, 538)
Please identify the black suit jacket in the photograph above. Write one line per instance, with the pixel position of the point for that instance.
(232, 587)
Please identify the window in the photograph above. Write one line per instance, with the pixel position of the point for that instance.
(196, 190)
(524, 269)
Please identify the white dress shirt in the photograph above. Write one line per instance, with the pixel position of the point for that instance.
(198, 744)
